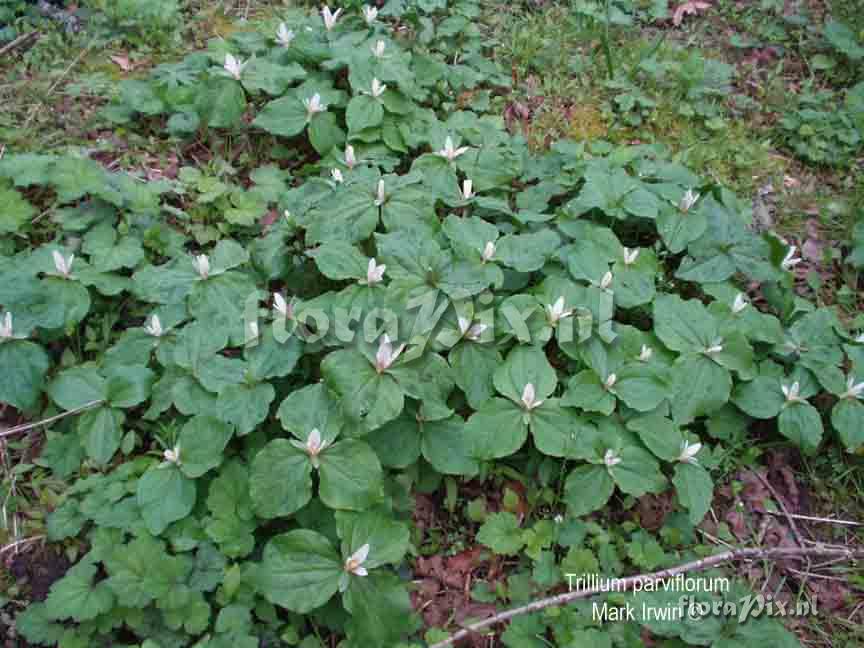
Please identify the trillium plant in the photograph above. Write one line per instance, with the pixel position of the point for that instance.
(257, 370)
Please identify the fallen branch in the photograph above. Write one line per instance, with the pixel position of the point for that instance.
(626, 584)
(29, 426)
(23, 39)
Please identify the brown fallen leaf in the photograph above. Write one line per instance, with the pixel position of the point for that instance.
(692, 7)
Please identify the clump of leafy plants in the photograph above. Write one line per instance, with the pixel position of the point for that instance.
(823, 132)
(431, 299)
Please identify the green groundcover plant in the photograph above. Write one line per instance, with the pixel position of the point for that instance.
(253, 403)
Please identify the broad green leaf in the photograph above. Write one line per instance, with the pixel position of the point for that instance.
(560, 432)
(760, 398)
(309, 408)
(244, 406)
(76, 387)
(801, 423)
(587, 489)
(448, 447)
(127, 387)
(202, 443)
(694, 488)
(501, 533)
(339, 260)
(683, 325)
(497, 430)
(101, 431)
(280, 479)
(325, 133)
(473, 367)
(387, 538)
(847, 417)
(165, 495)
(701, 387)
(77, 597)
(368, 397)
(380, 608)
(299, 571)
(638, 472)
(527, 252)
(286, 116)
(587, 391)
(524, 365)
(363, 112)
(350, 476)
(23, 377)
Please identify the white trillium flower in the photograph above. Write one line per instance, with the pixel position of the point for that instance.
(860, 339)
(313, 105)
(646, 353)
(350, 160)
(449, 152)
(202, 265)
(369, 14)
(154, 326)
(386, 356)
(556, 311)
(378, 49)
(792, 392)
(610, 381)
(790, 260)
(611, 458)
(529, 401)
(172, 455)
(716, 346)
(380, 196)
(470, 331)
(374, 273)
(689, 452)
(488, 252)
(853, 390)
(606, 281)
(330, 17)
(252, 332)
(336, 174)
(630, 255)
(284, 36)
(467, 189)
(234, 66)
(282, 307)
(740, 303)
(62, 265)
(6, 327)
(558, 519)
(688, 200)
(313, 447)
(378, 88)
(354, 564)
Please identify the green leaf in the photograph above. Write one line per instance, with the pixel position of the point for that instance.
(339, 260)
(683, 325)
(760, 398)
(76, 387)
(15, 211)
(299, 571)
(23, 377)
(286, 117)
(280, 479)
(701, 387)
(473, 367)
(388, 539)
(587, 391)
(380, 608)
(202, 442)
(127, 387)
(350, 476)
(101, 430)
(524, 365)
(447, 446)
(501, 533)
(245, 406)
(497, 430)
(559, 432)
(587, 489)
(847, 417)
(527, 252)
(694, 489)
(76, 597)
(638, 472)
(659, 434)
(801, 423)
(165, 495)
(325, 133)
(363, 112)
(221, 103)
(309, 408)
